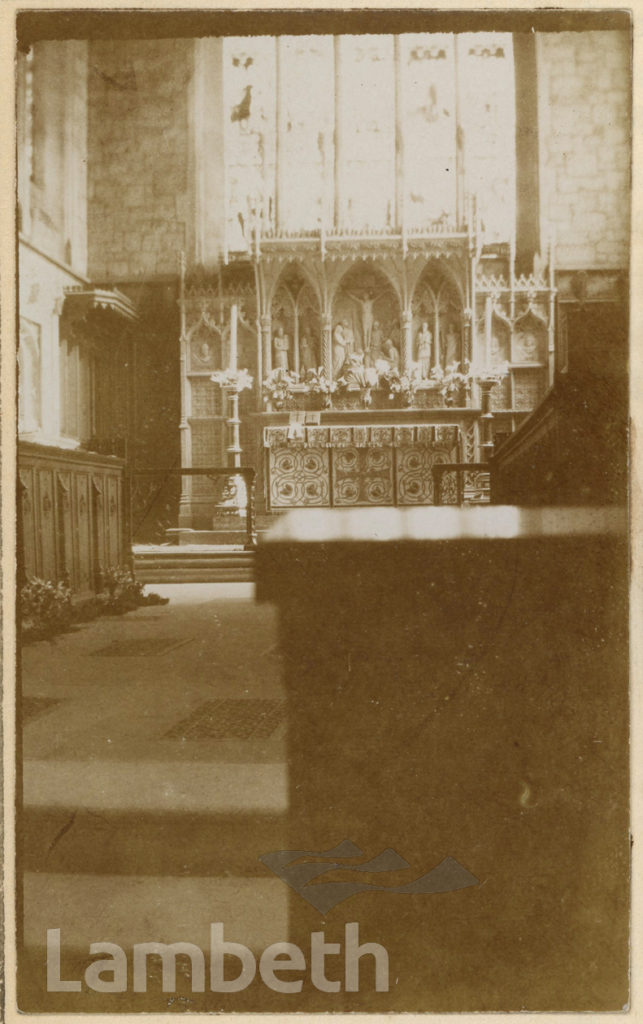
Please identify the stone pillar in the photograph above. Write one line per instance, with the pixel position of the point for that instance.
(399, 140)
(295, 341)
(266, 337)
(339, 207)
(436, 338)
(185, 501)
(486, 436)
(407, 338)
(327, 346)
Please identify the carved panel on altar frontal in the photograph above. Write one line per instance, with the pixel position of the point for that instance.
(299, 477)
(362, 476)
(368, 313)
(205, 348)
(413, 471)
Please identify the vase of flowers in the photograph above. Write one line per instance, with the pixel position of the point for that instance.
(279, 388)
(232, 380)
(356, 384)
(401, 387)
(319, 387)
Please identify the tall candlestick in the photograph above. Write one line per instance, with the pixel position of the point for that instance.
(233, 338)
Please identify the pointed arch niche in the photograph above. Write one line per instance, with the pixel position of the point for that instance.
(366, 308)
(295, 314)
(437, 309)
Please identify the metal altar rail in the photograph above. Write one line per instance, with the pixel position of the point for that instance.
(148, 489)
(470, 484)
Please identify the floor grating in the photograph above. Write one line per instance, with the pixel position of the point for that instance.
(149, 647)
(230, 719)
(34, 707)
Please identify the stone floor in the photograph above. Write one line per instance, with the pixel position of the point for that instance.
(136, 827)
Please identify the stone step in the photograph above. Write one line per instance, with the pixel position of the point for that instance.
(185, 566)
(176, 574)
(195, 561)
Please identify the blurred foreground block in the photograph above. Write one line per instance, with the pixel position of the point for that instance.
(458, 687)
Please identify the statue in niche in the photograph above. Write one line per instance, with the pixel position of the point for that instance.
(451, 345)
(527, 346)
(202, 353)
(349, 336)
(390, 354)
(366, 303)
(281, 345)
(307, 352)
(424, 349)
(339, 350)
(352, 370)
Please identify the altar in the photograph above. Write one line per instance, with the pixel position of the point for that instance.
(363, 465)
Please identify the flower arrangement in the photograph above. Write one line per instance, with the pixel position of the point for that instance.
(452, 379)
(493, 376)
(404, 384)
(317, 383)
(236, 380)
(279, 386)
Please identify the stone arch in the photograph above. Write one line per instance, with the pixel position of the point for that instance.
(366, 301)
(530, 336)
(438, 300)
(292, 268)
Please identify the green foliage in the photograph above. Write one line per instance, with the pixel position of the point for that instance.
(46, 608)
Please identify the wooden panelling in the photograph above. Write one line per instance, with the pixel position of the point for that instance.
(72, 511)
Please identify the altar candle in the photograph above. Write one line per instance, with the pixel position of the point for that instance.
(233, 338)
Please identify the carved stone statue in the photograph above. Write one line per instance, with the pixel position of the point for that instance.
(374, 353)
(281, 345)
(352, 370)
(349, 337)
(307, 353)
(424, 346)
(339, 350)
(391, 354)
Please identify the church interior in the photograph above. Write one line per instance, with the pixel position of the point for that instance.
(412, 258)
(275, 270)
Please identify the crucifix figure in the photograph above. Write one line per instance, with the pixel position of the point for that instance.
(366, 303)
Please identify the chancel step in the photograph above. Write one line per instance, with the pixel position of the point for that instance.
(182, 565)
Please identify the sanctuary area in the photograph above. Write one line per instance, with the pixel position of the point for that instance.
(338, 259)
